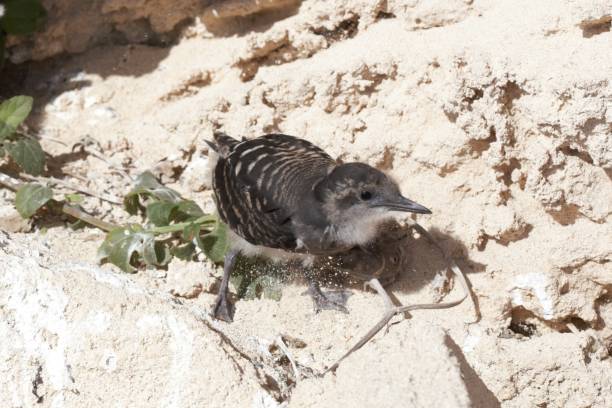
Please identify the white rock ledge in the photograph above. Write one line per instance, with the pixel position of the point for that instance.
(75, 335)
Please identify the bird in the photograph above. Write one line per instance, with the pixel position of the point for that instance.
(284, 198)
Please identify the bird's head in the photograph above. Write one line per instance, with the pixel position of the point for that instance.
(356, 198)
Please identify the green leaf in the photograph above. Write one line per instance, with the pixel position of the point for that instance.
(22, 16)
(184, 252)
(265, 286)
(187, 210)
(157, 254)
(216, 243)
(236, 281)
(12, 113)
(131, 204)
(126, 246)
(30, 197)
(256, 278)
(28, 154)
(74, 198)
(271, 287)
(191, 231)
(146, 183)
(160, 212)
(147, 186)
(243, 274)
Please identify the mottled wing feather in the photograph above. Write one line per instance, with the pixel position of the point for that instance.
(262, 181)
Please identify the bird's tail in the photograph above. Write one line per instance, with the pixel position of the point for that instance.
(223, 144)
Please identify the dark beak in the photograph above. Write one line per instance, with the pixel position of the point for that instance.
(404, 204)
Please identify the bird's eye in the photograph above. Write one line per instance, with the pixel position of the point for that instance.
(366, 195)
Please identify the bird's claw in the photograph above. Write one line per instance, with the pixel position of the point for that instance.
(326, 302)
(332, 300)
(223, 309)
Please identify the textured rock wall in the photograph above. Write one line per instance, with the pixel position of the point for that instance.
(497, 115)
(75, 26)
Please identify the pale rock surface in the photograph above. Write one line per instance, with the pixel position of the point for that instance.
(497, 115)
(69, 325)
(412, 367)
(75, 335)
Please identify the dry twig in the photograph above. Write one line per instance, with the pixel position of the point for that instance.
(395, 310)
(52, 180)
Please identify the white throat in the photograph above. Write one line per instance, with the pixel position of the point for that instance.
(359, 231)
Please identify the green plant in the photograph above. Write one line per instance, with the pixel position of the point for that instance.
(22, 149)
(19, 17)
(171, 225)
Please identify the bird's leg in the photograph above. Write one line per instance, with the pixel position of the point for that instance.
(224, 309)
(326, 301)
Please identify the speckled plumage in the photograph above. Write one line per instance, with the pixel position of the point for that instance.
(283, 195)
(259, 184)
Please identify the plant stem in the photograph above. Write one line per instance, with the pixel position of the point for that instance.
(107, 226)
(89, 219)
(9, 182)
(71, 186)
(75, 212)
(180, 226)
(14, 185)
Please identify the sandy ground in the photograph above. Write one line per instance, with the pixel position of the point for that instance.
(496, 115)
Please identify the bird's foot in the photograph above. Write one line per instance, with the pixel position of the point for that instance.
(331, 300)
(223, 309)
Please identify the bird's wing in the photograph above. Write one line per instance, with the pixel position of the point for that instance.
(264, 181)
